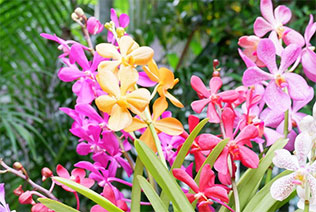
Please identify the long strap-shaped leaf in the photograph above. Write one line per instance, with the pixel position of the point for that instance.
(165, 180)
(95, 197)
(263, 200)
(136, 191)
(187, 145)
(151, 195)
(56, 206)
(250, 181)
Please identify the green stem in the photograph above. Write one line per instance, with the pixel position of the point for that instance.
(306, 206)
(286, 124)
(234, 185)
(136, 190)
(307, 195)
(269, 175)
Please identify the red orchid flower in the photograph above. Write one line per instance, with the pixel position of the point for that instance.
(206, 192)
(235, 147)
(211, 97)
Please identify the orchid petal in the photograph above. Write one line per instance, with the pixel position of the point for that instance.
(249, 158)
(266, 9)
(62, 172)
(170, 126)
(298, 87)
(228, 117)
(266, 53)
(303, 145)
(77, 55)
(199, 86)
(283, 187)
(289, 56)
(108, 51)
(124, 20)
(215, 84)
(254, 75)
(261, 27)
(160, 105)
(105, 103)
(212, 114)
(120, 118)
(138, 99)
(284, 160)
(199, 105)
(128, 77)
(309, 64)
(181, 175)
(276, 98)
(282, 14)
(114, 17)
(68, 74)
(109, 83)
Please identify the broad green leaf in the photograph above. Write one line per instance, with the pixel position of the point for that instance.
(250, 180)
(263, 200)
(136, 191)
(56, 206)
(163, 177)
(152, 196)
(211, 158)
(95, 197)
(187, 144)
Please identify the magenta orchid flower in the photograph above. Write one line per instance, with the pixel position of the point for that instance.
(235, 148)
(280, 78)
(308, 55)
(4, 207)
(122, 21)
(64, 45)
(206, 192)
(77, 175)
(211, 97)
(94, 26)
(303, 171)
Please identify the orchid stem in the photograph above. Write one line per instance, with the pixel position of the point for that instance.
(234, 185)
(126, 155)
(286, 124)
(307, 195)
(306, 206)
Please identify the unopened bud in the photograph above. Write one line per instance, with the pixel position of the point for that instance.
(18, 191)
(216, 74)
(79, 12)
(120, 32)
(46, 173)
(215, 63)
(108, 26)
(74, 16)
(26, 198)
(17, 166)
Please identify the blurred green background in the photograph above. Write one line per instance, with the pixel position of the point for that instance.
(186, 36)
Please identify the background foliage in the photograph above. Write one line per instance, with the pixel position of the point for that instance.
(186, 36)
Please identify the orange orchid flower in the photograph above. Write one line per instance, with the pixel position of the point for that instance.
(165, 79)
(130, 54)
(119, 101)
(169, 125)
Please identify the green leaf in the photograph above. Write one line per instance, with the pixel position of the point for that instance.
(56, 206)
(187, 144)
(263, 200)
(95, 197)
(152, 196)
(166, 181)
(250, 181)
(211, 158)
(173, 60)
(196, 47)
(136, 191)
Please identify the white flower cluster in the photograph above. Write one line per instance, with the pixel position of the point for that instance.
(302, 163)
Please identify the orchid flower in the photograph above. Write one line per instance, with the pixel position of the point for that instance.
(94, 26)
(206, 192)
(235, 147)
(303, 175)
(77, 175)
(117, 103)
(274, 22)
(250, 43)
(168, 125)
(122, 21)
(130, 55)
(4, 207)
(165, 79)
(275, 96)
(211, 97)
(308, 124)
(308, 55)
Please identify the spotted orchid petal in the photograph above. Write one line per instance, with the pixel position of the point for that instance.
(283, 187)
(303, 145)
(283, 159)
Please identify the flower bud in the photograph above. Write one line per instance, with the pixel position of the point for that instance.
(74, 16)
(120, 32)
(26, 198)
(108, 26)
(94, 26)
(18, 191)
(215, 63)
(39, 207)
(79, 12)
(46, 173)
(17, 166)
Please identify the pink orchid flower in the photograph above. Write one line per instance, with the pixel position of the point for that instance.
(250, 43)
(122, 21)
(94, 26)
(274, 22)
(280, 78)
(77, 175)
(308, 55)
(303, 171)
(206, 192)
(235, 147)
(211, 97)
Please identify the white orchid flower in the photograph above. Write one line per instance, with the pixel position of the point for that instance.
(303, 174)
(308, 124)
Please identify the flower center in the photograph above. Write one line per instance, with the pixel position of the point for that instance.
(280, 30)
(128, 60)
(122, 102)
(279, 80)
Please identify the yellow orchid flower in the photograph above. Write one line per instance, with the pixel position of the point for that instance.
(130, 54)
(118, 102)
(169, 125)
(165, 79)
